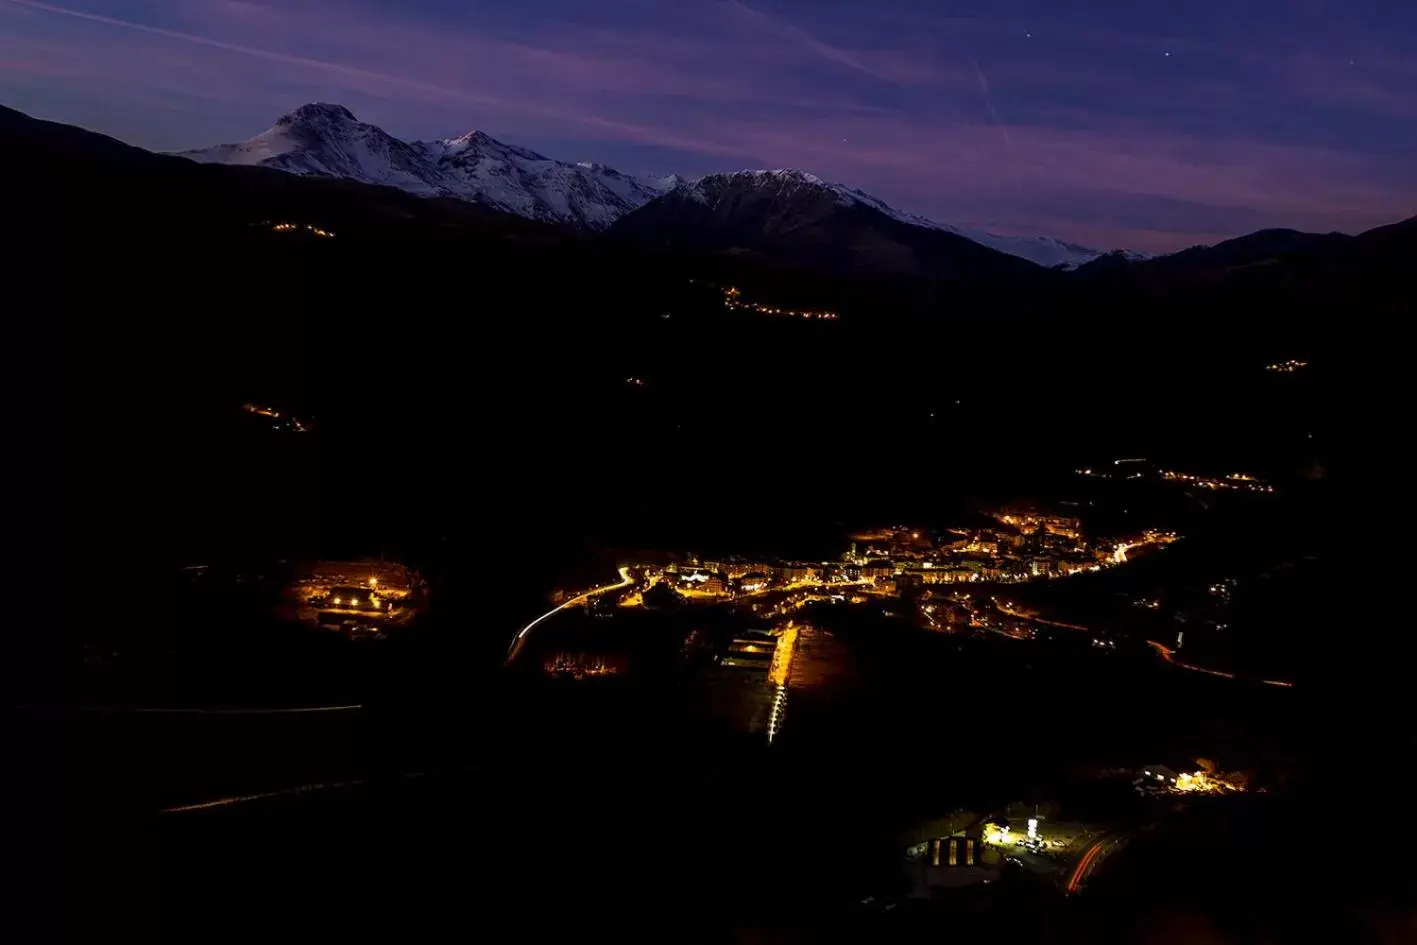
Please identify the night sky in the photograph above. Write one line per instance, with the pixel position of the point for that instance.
(1150, 124)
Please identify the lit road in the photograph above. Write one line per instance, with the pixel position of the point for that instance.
(520, 639)
(1090, 860)
(1169, 655)
(283, 792)
(264, 795)
(1005, 607)
(301, 710)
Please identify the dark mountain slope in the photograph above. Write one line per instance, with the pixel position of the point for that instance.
(796, 219)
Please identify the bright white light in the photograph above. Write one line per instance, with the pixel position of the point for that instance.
(1033, 828)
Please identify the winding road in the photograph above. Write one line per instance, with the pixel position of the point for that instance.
(1090, 860)
(520, 639)
(1169, 656)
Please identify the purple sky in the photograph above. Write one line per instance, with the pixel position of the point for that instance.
(1150, 124)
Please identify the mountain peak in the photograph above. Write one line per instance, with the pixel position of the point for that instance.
(326, 139)
(317, 111)
(478, 142)
(469, 137)
(463, 142)
(779, 175)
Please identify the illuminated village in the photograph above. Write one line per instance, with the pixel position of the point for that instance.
(301, 227)
(1142, 469)
(733, 301)
(901, 566)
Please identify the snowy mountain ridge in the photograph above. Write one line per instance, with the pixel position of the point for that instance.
(1042, 250)
(327, 140)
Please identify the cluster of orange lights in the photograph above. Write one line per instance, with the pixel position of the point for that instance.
(261, 410)
(1286, 367)
(732, 299)
(310, 228)
(354, 602)
(579, 665)
(1240, 481)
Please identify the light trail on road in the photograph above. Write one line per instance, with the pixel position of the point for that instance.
(283, 792)
(1095, 853)
(519, 640)
(1168, 655)
(316, 708)
(1080, 871)
(247, 798)
(1006, 608)
(194, 711)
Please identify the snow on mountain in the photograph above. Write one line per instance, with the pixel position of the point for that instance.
(528, 184)
(328, 140)
(1042, 250)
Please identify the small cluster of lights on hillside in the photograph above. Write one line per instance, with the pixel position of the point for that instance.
(1287, 367)
(308, 227)
(1241, 481)
(1133, 468)
(733, 299)
(1195, 782)
(282, 420)
(580, 666)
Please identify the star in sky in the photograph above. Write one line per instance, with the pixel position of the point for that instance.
(1086, 138)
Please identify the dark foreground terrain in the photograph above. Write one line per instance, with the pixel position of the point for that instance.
(465, 376)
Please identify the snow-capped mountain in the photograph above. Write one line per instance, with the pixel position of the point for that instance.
(1044, 251)
(328, 140)
(798, 219)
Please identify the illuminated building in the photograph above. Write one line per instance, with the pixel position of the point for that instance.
(753, 581)
(954, 851)
(751, 651)
(796, 573)
(793, 573)
(703, 581)
(951, 862)
(361, 594)
(878, 570)
(1158, 777)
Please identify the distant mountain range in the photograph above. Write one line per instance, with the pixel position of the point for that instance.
(786, 232)
(797, 219)
(327, 140)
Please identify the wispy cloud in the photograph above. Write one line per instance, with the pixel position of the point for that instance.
(784, 29)
(1103, 137)
(271, 55)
